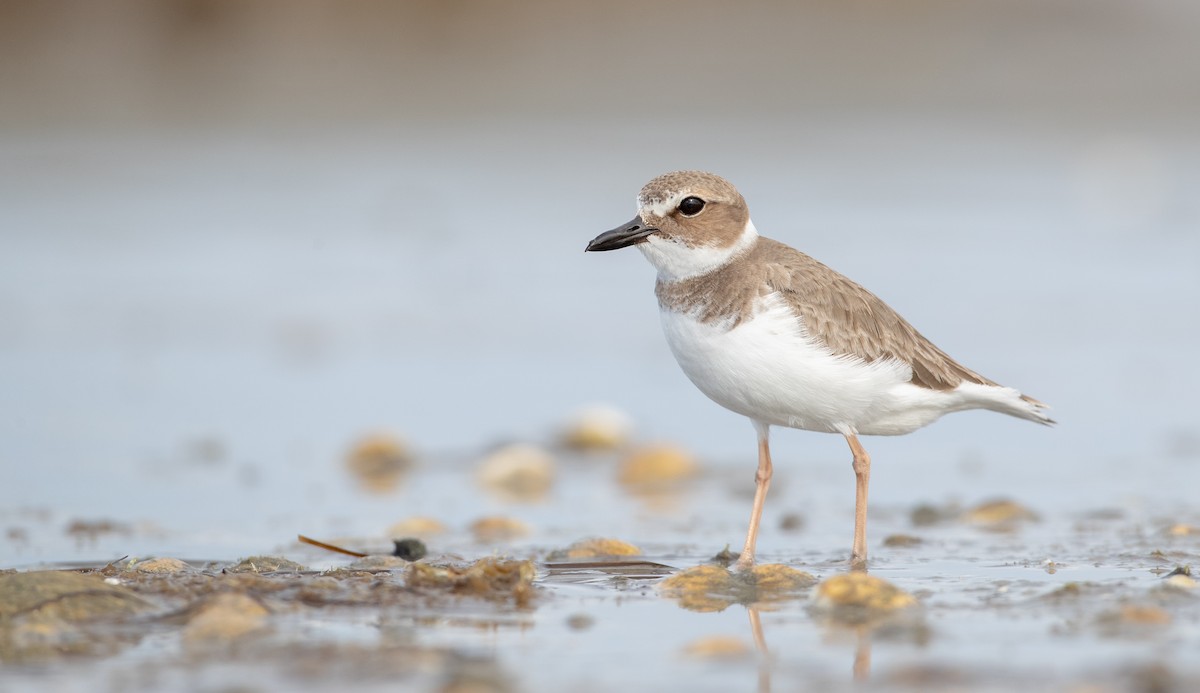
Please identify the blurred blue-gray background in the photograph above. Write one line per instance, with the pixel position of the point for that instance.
(236, 236)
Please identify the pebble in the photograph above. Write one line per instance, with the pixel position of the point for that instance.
(519, 472)
(1181, 582)
(409, 549)
(498, 528)
(597, 428)
(379, 461)
(999, 514)
(656, 464)
(599, 547)
(420, 527)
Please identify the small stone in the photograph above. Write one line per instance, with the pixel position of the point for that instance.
(1183, 530)
(859, 592)
(597, 428)
(409, 549)
(718, 647)
(421, 527)
(379, 461)
(999, 514)
(657, 464)
(902, 540)
(594, 548)
(498, 528)
(519, 472)
(225, 617)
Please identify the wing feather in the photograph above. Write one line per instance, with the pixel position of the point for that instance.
(851, 320)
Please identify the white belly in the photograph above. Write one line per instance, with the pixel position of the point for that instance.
(769, 369)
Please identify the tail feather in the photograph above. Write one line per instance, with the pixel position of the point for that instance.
(1006, 400)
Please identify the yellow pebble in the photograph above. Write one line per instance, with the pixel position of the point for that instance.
(520, 472)
(420, 527)
(999, 513)
(1181, 581)
(597, 428)
(498, 528)
(379, 461)
(593, 548)
(655, 464)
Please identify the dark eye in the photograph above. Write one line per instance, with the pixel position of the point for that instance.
(691, 206)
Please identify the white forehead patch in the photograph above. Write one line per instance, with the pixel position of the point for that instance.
(661, 207)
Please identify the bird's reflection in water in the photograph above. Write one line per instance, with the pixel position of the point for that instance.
(764, 655)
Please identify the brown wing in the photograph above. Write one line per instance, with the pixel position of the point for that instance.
(851, 320)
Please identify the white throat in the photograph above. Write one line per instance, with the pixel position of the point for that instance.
(676, 260)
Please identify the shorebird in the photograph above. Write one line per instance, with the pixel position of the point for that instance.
(770, 333)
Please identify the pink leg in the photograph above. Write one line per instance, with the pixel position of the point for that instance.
(862, 479)
(762, 480)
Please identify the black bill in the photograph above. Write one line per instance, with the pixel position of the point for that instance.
(626, 234)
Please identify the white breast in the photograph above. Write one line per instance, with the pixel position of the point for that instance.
(769, 369)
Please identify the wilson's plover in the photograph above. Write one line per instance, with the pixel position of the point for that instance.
(770, 333)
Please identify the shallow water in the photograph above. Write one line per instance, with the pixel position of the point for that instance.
(197, 329)
(1035, 604)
